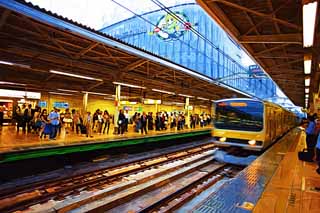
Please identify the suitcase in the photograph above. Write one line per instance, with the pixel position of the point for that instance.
(306, 155)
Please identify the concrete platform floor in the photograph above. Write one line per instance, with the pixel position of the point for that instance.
(277, 181)
(292, 187)
(11, 140)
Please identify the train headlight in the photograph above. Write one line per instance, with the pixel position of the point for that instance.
(223, 139)
(252, 142)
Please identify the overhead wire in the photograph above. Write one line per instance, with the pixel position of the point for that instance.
(167, 10)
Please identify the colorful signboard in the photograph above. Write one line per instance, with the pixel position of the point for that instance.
(172, 26)
(63, 105)
(42, 104)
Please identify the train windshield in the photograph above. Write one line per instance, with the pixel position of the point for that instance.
(239, 115)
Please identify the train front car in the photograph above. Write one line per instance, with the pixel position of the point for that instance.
(239, 122)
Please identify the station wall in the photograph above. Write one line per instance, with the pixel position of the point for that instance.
(97, 102)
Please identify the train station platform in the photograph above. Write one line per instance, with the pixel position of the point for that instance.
(277, 181)
(19, 146)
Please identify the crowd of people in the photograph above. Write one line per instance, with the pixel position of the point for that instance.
(312, 129)
(40, 121)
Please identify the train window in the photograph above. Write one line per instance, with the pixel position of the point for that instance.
(243, 117)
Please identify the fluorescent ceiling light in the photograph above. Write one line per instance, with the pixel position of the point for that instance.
(306, 90)
(59, 93)
(67, 90)
(163, 91)
(6, 63)
(75, 76)
(96, 93)
(11, 83)
(307, 66)
(205, 99)
(108, 98)
(128, 85)
(14, 64)
(307, 81)
(124, 97)
(6, 100)
(187, 96)
(309, 20)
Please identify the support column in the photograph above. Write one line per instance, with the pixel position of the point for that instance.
(117, 105)
(85, 103)
(187, 116)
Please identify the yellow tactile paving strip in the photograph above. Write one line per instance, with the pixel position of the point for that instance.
(10, 140)
(290, 188)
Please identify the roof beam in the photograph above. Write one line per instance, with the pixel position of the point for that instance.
(277, 38)
(84, 51)
(271, 49)
(95, 85)
(223, 21)
(278, 56)
(265, 20)
(135, 64)
(291, 71)
(4, 17)
(269, 16)
(286, 63)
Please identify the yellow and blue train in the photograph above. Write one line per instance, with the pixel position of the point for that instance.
(250, 124)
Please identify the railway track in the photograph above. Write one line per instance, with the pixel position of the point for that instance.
(22, 198)
(181, 175)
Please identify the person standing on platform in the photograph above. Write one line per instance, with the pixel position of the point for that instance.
(28, 115)
(88, 122)
(126, 121)
(106, 121)
(1, 115)
(144, 123)
(121, 123)
(54, 119)
(99, 122)
(67, 120)
(310, 131)
(73, 112)
(19, 118)
(193, 121)
(150, 121)
(317, 152)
